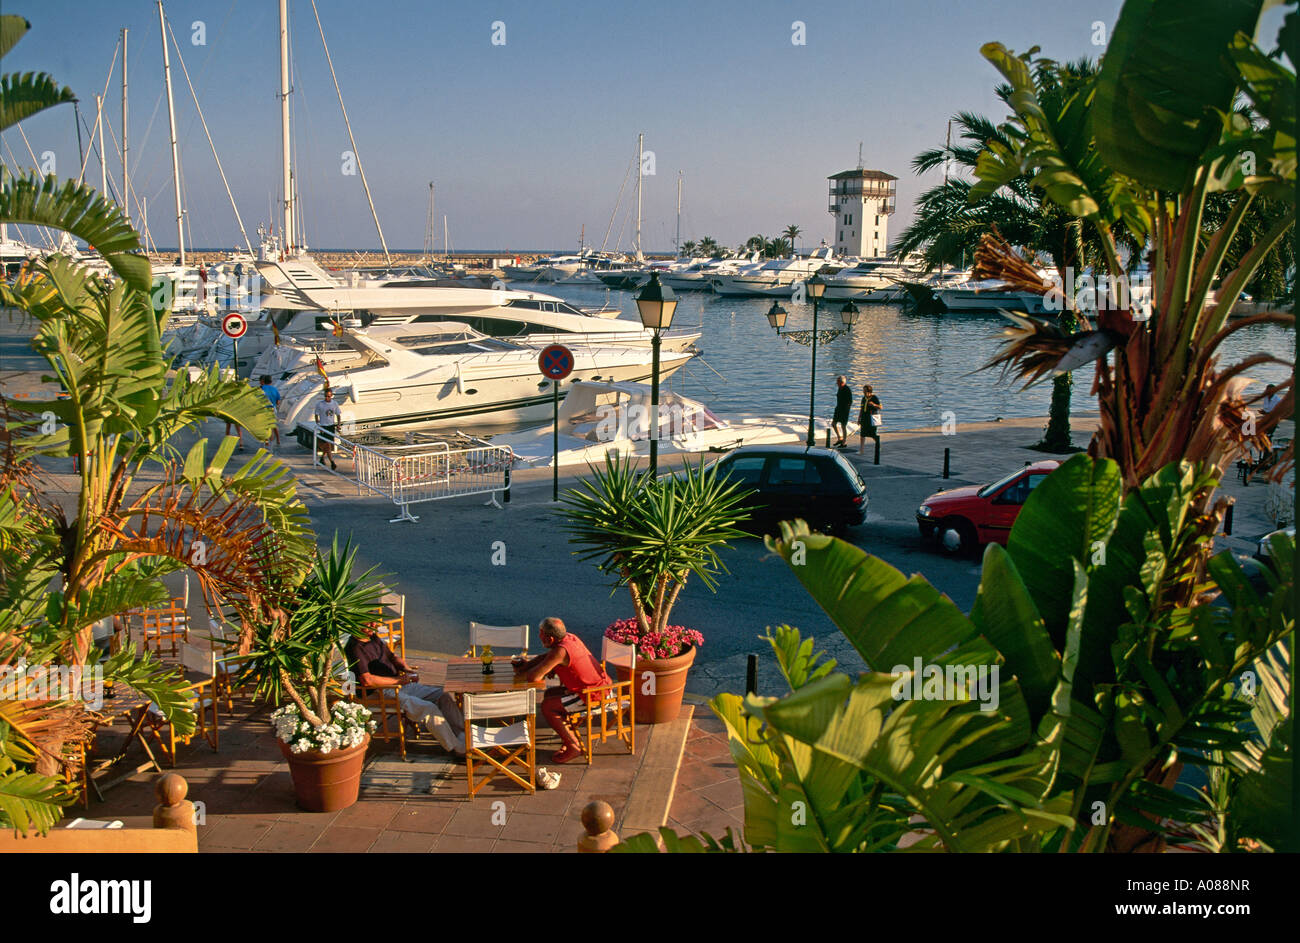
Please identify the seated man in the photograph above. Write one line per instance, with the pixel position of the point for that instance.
(376, 666)
(570, 661)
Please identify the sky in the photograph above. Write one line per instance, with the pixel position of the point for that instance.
(528, 141)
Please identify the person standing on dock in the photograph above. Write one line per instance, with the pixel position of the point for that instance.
(328, 418)
(273, 395)
(868, 418)
(843, 403)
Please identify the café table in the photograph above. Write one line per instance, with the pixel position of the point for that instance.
(465, 676)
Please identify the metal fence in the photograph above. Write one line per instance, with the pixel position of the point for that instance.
(426, 471)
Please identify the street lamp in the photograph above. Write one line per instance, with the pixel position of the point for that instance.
(656, 303)
(776, 315)
(849, 314)
(815, 288)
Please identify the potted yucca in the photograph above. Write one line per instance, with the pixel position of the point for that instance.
(652, 534)
(295, 665)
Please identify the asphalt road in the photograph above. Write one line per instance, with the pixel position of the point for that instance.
(444, 563)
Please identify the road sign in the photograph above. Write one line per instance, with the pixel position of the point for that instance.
(555, 362)
(235, 325)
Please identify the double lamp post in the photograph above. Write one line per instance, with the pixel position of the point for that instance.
(814, 287)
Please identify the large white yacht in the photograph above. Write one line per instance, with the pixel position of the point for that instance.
(306, 305)
(866, 276)
(775, 277)
(447, 376)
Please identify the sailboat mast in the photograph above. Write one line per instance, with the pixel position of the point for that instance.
(677, 241)
(287, 231)
(126, 173)
(171, 120)
(640, 173)
(429, 228)
(103, 158)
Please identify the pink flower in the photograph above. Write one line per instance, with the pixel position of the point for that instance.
(672, 641)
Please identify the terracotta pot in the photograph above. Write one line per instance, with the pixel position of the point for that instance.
(662, 706)
(326, 782)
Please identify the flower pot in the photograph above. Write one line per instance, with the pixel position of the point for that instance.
(669, 683)
(326, 782)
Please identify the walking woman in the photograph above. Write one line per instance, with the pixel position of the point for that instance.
(868, 418)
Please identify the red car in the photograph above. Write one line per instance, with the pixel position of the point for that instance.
(965, 518)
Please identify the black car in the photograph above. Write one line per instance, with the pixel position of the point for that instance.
(818, 485)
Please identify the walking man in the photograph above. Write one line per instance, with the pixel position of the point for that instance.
(843, 403)
(273, 395)
(328, 418)
(868, 418)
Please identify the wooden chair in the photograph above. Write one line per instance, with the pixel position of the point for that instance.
(167, 629)
(203, 702)
(498, 636)
(392, 619)
(386, 712)
(503, 748)
(595, 704)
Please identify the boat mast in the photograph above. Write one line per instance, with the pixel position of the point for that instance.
(103, 158)
(947, 158)
(171, 120)
(429, 228)
(446, 242)
(677, 242)
(126, 174)
(640, 173)
(286, 231)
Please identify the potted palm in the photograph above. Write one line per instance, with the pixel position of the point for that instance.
(295, 664)
(651, 534)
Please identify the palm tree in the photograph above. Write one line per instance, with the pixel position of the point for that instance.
(951, 220)
(242, 531)
(756, 244)
(689, 248)
(708, 246)
(791, 233)
(776, 247)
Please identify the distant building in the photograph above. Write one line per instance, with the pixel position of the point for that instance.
(862, 202)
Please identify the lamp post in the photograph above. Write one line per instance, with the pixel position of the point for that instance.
(776, 316)
(815, 288)
(656, 303)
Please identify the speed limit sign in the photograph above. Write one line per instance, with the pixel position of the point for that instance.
(234, 325)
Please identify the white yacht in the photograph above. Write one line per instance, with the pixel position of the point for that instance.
(306, 305)
(988, 295)
(600, 417)
(775, 277)
(446, 377)
(866, 276)
(695, 277)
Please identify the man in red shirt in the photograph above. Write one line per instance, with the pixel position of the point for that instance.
(570, 661)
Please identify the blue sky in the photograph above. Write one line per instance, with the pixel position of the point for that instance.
(528, 141)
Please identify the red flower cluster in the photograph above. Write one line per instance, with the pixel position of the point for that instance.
(672, 641)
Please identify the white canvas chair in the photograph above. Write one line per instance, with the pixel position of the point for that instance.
(502, 748)
(498, 636)
(612, 705)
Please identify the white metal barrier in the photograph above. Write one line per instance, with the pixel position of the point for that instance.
(425, 471)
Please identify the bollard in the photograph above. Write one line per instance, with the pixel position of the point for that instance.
(1227, 520)
(598, 821)
(505, 498)
(751, 674)
(945, 462)
(876, 460)
(173, 809)
(828, 438)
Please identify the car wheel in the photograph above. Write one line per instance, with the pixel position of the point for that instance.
(956, 536)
